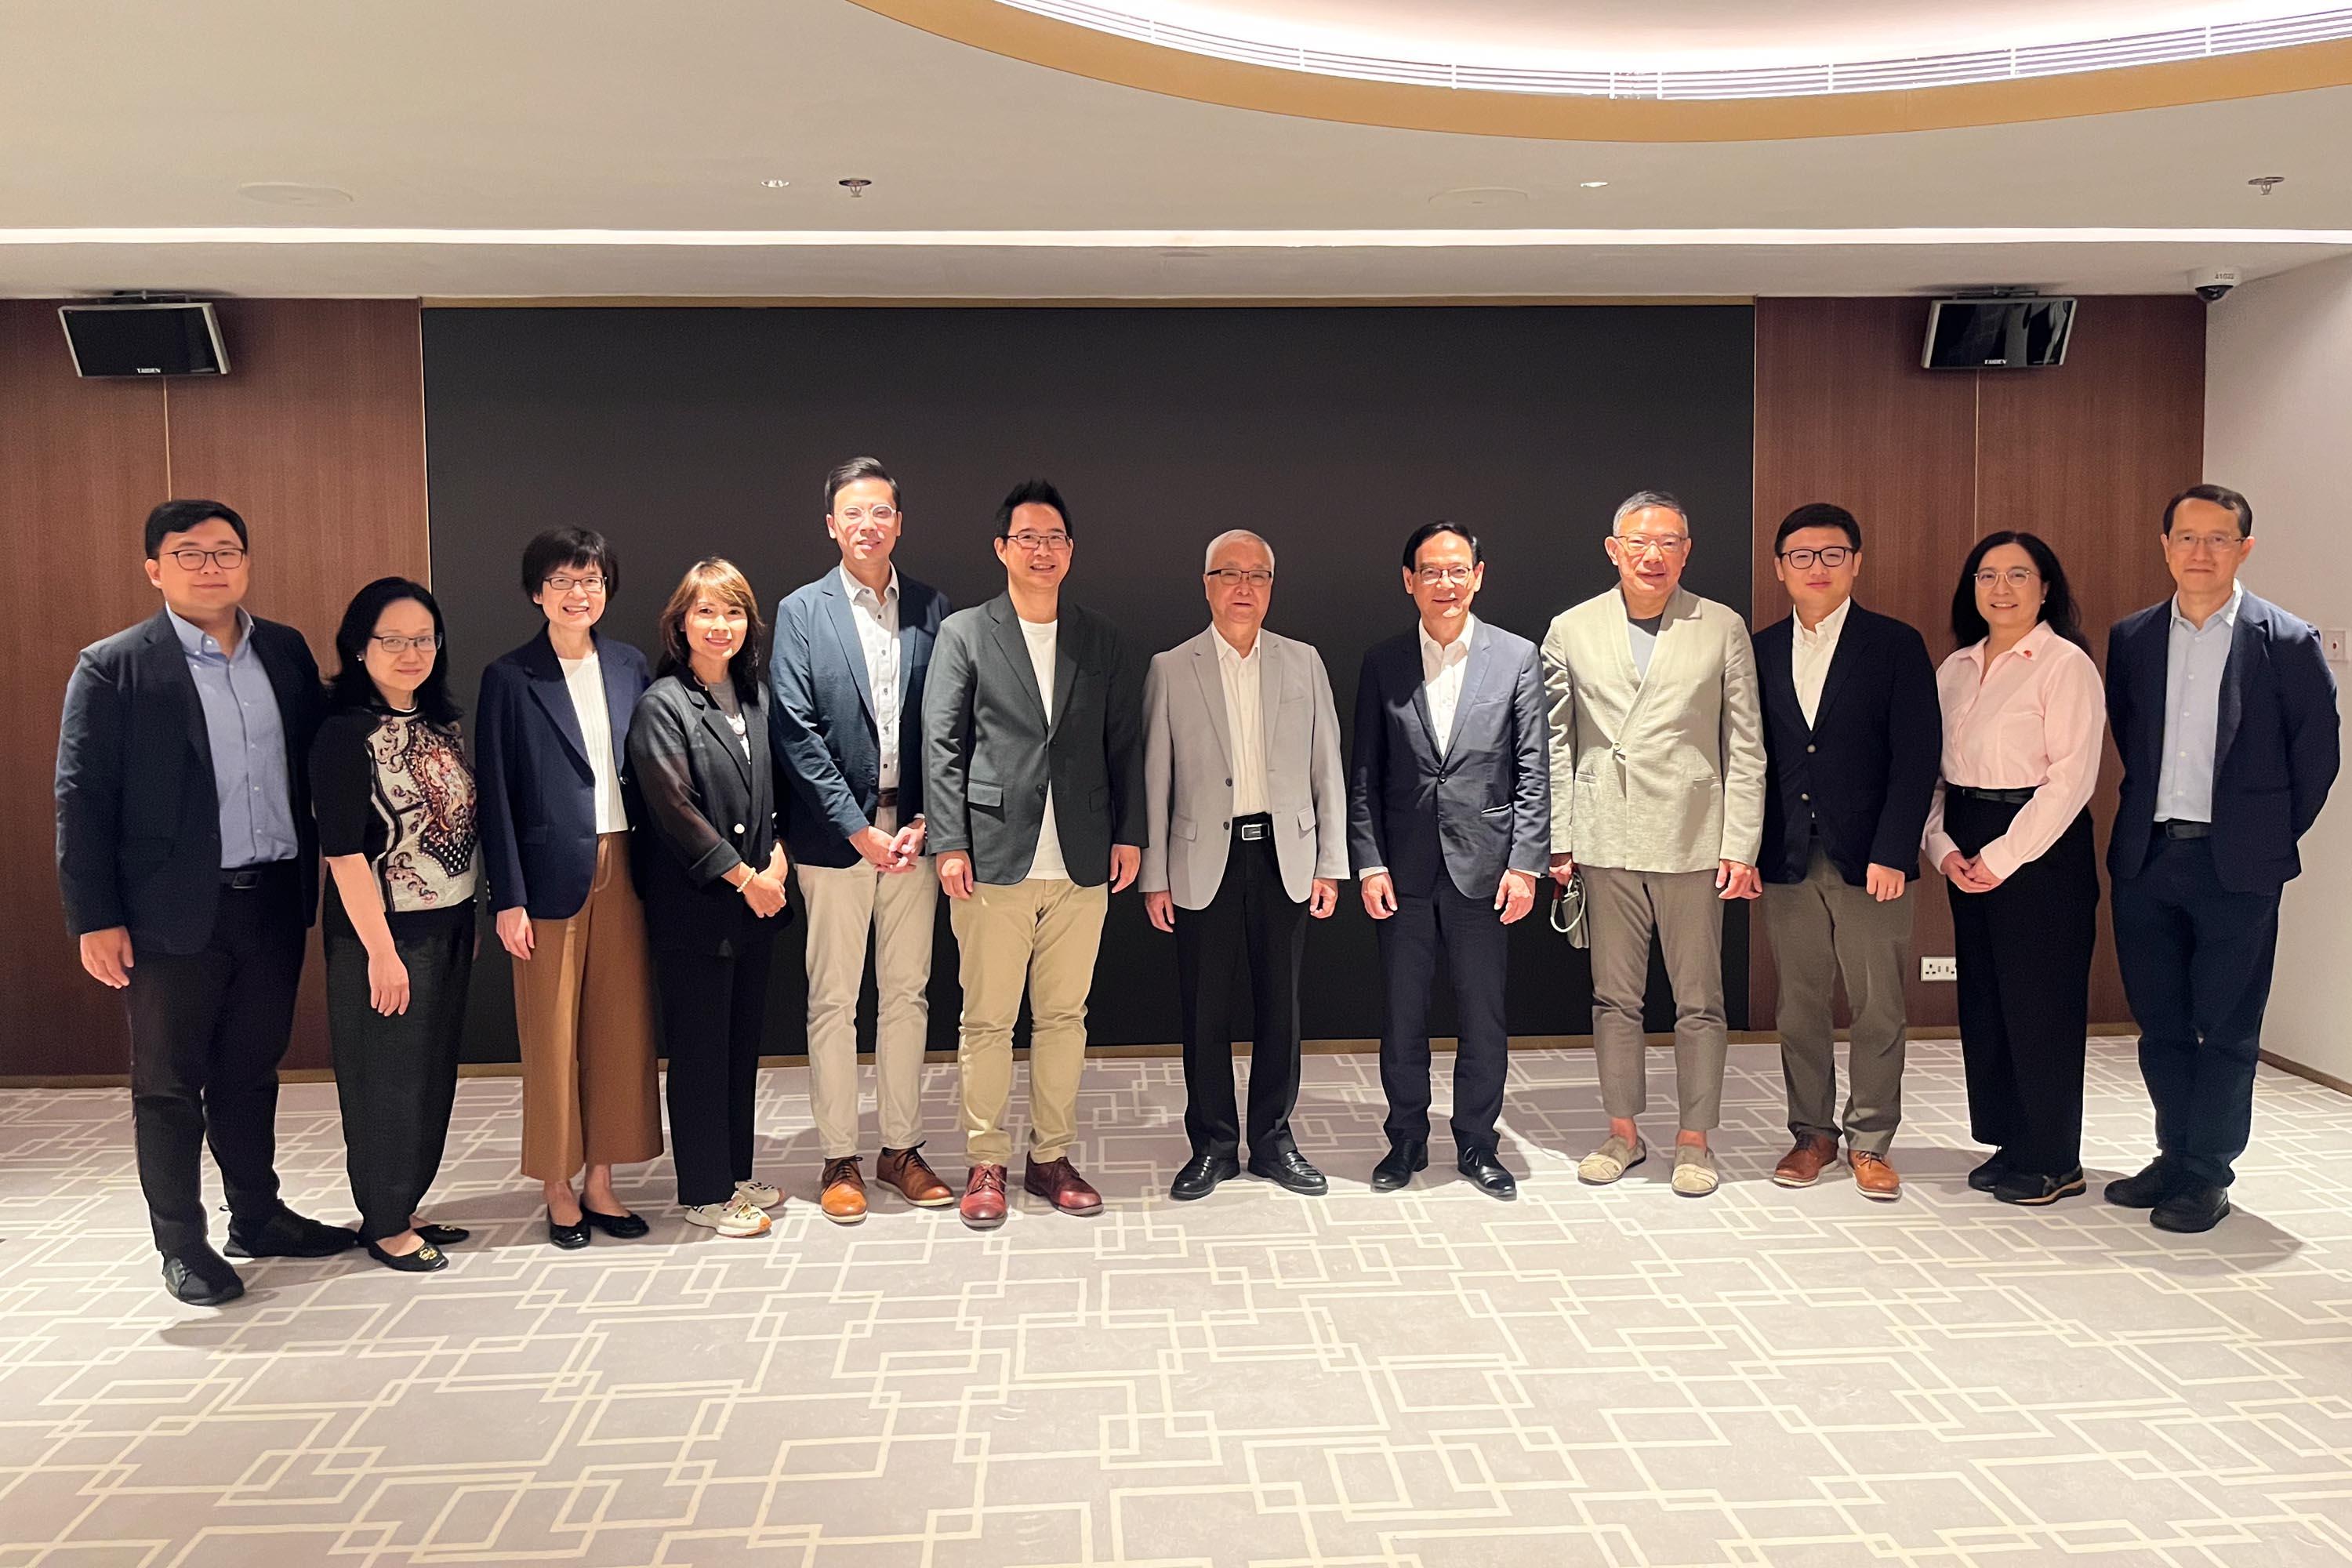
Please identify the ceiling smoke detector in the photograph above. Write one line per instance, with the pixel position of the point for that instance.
(856, 187)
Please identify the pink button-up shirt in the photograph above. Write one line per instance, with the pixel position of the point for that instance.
(2034, 720)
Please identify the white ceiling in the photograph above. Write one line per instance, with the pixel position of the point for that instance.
(612, 114)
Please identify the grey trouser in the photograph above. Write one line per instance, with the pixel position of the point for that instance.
(1821, 927)
(1685, 911)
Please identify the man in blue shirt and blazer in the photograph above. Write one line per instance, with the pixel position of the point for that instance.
(2224, 709)
(189, 864)
(852, 651)
(1449, 811)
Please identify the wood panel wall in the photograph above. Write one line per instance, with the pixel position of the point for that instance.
(316, 438)
(2086, 455)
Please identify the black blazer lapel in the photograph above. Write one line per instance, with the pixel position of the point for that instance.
(1480, 668)
(2151, 675)
(620, 703)
(554, 698)
(1408, 670)
(168, 663)
(842, 618)
(1773, 651)
(723, 735)
(1852, 649)
(2245, 651)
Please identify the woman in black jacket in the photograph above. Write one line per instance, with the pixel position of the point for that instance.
(711, 869)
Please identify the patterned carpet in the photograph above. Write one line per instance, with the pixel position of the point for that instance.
(1616, 1376)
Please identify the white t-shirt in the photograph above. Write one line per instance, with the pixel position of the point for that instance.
(585, 678)
(1047, 865)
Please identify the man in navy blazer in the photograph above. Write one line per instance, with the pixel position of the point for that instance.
(1449, 813)
(189, 864)
(1853, 740)
(2224, 709)
(852, 652)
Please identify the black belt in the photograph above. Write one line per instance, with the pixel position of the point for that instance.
(889, 801)
(2185, 829)
(1250, 829)
(244, 879)
(2001, 796)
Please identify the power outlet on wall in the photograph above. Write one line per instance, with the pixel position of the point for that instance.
(2332, 644)
(1939, 969)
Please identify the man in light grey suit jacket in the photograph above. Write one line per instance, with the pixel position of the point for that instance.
(1657, 798)
(1246, 807)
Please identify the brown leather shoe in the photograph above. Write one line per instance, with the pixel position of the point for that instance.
(842, 1193)
(1874, 1176)
(1802, 1165)
(905, 1170)
(983, 1197)
(1060, 1184)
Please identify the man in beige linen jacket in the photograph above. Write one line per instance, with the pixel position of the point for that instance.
(1657, 798)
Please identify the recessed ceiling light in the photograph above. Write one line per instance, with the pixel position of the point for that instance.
(775, 184)
(287, 193)
(1590, 184)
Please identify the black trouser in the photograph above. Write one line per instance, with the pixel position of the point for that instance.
(2197, 962)
(1253, 923)
(2024, 955)
(396, 1076)
(207, 1032)
(714, 1008)
(1478, 951)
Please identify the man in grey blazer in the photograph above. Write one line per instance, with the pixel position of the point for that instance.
(1247, 814)
(1033, 781)
(1658, 799)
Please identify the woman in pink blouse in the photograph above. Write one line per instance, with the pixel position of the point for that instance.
(2024, 715)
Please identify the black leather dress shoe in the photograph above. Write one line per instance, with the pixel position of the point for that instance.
(1987, 1176)
(2034, 1189)
(287, 1235)
(1288, 1169)
(2145, 1190)
(1396, 1168)
(570, 1238)
(200, 1277)
(1486, 1173)
(2191, 1209)
(1200, 1175)
(624, 1226)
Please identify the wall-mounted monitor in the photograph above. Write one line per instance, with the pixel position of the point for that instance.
(1998, 334)
(144, 337)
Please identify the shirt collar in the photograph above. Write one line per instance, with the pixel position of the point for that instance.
(193, 638)
(2227, 615)
(2029, 647)
(1831, 624)
(857, 590)
(1459, 648)
(1228, 654)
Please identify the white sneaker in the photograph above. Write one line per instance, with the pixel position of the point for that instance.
(736, 1216)
(760, 1195)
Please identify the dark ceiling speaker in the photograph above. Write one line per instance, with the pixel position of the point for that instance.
(144, 337)
(2027, 332)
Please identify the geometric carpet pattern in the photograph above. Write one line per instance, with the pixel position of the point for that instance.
(1611, 1376)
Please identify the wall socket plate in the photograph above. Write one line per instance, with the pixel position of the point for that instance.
(2331, 643)
(1939, 969)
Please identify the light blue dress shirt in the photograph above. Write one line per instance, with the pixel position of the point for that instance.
(2195, 659)
(249, 746)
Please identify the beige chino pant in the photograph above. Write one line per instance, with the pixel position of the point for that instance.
(1041, 934)
(1684, 910)
(1822, 927)
(846, 906)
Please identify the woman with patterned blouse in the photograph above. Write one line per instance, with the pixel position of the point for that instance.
(395, 809)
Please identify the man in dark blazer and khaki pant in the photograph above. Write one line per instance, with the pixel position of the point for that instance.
(1033, 784)
(2224, 709)
(1852, 737)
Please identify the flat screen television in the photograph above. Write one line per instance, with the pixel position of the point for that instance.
(1998, 334)
(144, 337)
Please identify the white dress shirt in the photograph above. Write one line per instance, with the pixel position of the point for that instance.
(877, 638)
(1041, 635)
(585, 680)
(1442, 673)
(1810, 653)
(2196, 657)
(1244, 724)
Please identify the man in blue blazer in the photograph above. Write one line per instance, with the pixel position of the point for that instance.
(851, 655)
(1449, 813)
(2224, 709)
(189, 864)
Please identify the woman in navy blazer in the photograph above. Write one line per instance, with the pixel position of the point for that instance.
(550, 745)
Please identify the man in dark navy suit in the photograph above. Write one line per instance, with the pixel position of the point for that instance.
(2224, 709)
(189, 865)
(1449, 811)
(1852, 738)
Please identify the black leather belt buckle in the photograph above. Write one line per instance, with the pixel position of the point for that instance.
(1253, 831)
(244, 879)
(2186, 829)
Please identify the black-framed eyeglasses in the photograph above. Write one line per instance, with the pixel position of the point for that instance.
(1828, 555)
(565, 584)
(228, 557)
(1445, 576)
(428, 644)
(1032, 542)
(1234, 576)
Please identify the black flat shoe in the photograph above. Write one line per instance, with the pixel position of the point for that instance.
(200, 1277)
(2191, 1210)
(2030, 1189)
(1987, 1176)
(1397, 1166)
(1200, 1175)
(2145, 1190)
(1288, 1169)
(425, 1259)
(289, 1234)
(444, 1235)
(624, 1227)
(571, 1237)
(1486, 1173)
